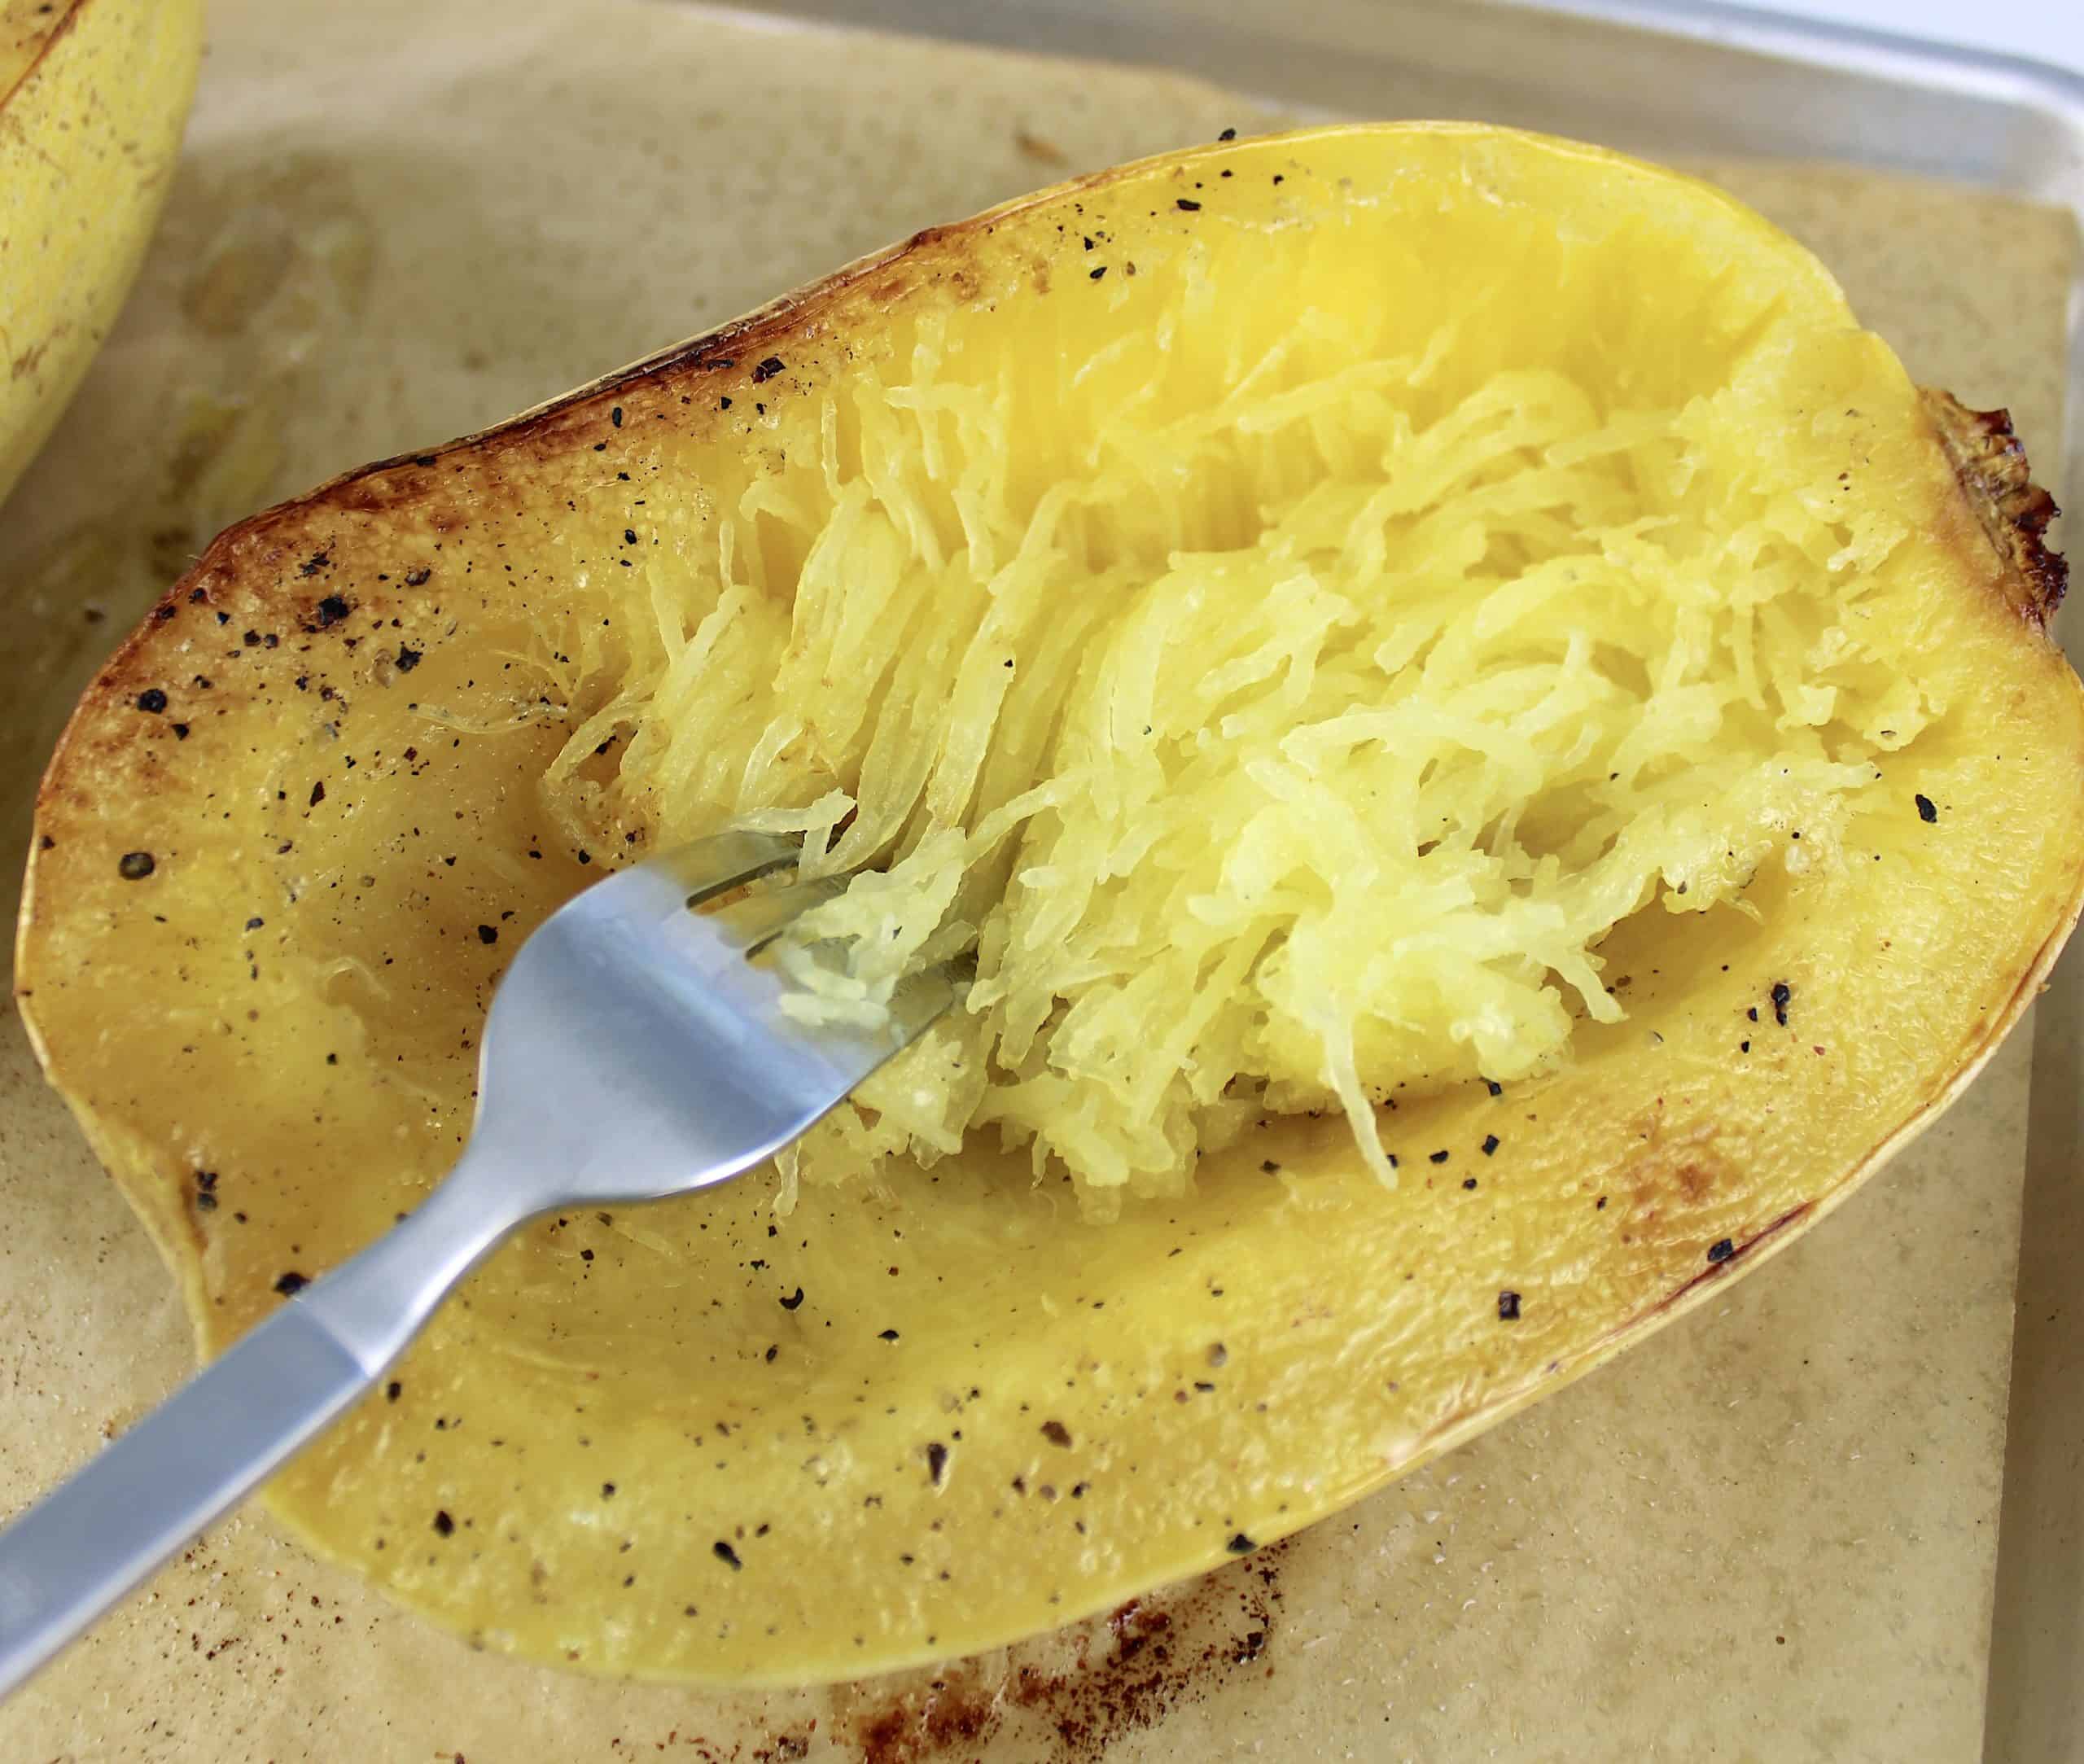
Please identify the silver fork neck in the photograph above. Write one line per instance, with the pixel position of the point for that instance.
(375, 1303)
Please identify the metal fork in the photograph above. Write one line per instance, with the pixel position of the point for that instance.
(632, 1051)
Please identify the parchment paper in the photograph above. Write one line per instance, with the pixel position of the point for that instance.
(1770, 1537)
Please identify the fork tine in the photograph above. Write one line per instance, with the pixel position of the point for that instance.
(922, 996)
(710, 867)
(759, 919)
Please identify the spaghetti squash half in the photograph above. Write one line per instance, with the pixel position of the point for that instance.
(1495, 755)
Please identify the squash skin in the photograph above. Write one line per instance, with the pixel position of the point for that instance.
(1329, 1383)
(93, 98)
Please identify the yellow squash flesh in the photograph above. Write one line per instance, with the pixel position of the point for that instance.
(93, 95)
(704, 1441)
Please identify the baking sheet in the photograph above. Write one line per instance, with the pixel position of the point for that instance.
(1771, 1536)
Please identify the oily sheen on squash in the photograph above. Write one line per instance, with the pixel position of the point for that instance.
(1481, 601)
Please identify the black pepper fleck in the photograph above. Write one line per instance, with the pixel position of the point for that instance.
(1187, 202)
(1438, 1157)
(792, 1300)
(1056, 1433)
(135, 866)
(1928, 811)
(725, 1553)
(443, 1524)
(766, 369)
(1782, 993)
(1241, 1545)
(487, 934)
(151, 699)
(408, 658)
(1509, 1307)
(936, 1461)
(290, 1283)
(1722, 1251)
(332, 610)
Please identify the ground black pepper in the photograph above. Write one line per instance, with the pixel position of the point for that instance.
(1782, 993)
(1720, 1251)
(1241, 1545)
(724, 1553)
(1056, 1433)
(444, 1526)
(1490, 1143)
(1509, 1307)
(151, 699)
(1438, 1157)
(1927, 810)
(1188, 203)
(936, 1461)
(487, 934)
(792, 1300)
(290, 1283)
(135, 866)
(766, 369)
(408, 658)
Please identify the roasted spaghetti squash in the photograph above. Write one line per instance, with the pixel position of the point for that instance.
(1494, 754)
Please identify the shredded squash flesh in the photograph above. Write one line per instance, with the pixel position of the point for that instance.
(1283, 668)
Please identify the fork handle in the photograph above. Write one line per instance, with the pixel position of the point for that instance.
(100, 1533)
(106, 1527)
